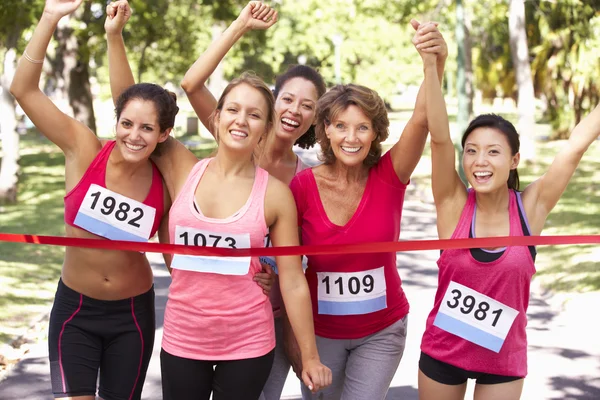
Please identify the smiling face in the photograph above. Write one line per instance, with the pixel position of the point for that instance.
(242, 121)
(295, 108)
(488, 159)
(138, 131)
(350, 134)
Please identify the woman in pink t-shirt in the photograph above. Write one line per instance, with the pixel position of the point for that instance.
(356, 196)
(476, 329)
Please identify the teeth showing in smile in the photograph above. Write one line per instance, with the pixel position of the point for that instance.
(238, 134)
(290, 122)
(133, 146)
(351, 149)
(482, 174)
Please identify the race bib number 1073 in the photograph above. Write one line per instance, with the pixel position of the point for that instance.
(217, 265)
(475, 317)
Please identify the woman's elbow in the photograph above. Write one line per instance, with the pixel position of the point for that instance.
(188, 85)
(16, 89)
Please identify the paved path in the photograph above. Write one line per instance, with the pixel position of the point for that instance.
(564, 351)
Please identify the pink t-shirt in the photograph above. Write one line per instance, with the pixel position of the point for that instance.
(354, 295)
(479, 315)
(215, 310)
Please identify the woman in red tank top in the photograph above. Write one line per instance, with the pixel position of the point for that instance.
(114, 192)
(477, 327)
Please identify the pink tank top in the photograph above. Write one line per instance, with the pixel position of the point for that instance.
(275, 293)
(479, 316)
(92, 207)
(215, 310)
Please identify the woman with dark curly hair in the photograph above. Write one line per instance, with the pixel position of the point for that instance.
(356, 196)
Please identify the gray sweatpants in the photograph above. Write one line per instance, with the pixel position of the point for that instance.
(280, 369)
(362, 369)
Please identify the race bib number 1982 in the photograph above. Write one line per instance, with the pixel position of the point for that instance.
(114, 216)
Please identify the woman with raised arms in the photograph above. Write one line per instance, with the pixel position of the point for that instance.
(476, 329)
(102, 321)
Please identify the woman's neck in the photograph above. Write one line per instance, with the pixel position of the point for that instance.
(494, 202)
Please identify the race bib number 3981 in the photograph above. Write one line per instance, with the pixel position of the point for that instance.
(351, 293)
(114, 216)
(475, 317)
(216, 265)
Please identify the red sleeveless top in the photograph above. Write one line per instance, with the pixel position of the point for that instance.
(92, 207)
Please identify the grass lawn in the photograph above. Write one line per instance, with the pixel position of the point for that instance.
(29, 273)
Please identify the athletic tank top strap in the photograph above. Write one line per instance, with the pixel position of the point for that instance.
(464, 223)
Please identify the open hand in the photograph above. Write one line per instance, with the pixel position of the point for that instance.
(117, 15)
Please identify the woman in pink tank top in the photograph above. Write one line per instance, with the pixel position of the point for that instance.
(216, 315)
(296, 94)
(476, 329)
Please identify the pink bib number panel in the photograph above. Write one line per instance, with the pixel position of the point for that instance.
(217, 265)
(475, 317)
(114, 216)
(351, 293)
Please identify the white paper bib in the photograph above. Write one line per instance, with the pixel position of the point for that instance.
(216, 265)
(475, 317)
(351, 293)
(114, 216)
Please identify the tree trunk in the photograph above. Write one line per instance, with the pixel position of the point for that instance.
(469, 85)
(9, 166)
(71, 68)
(217, 82)
(520, 56)
(462, 113)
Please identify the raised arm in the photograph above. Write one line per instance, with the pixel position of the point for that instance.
(407, 151)
(119, 70)
(294, 289)
(256, 15)
(448, 190)
(74, 138)
(541, 196)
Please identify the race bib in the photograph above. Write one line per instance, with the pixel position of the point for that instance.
(270, 261)
(216, 265)
(351, 293)
(475, 317)
(114, 216)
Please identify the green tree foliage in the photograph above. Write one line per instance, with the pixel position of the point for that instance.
(566, 42)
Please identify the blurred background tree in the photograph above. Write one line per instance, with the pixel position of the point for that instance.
(362, 41)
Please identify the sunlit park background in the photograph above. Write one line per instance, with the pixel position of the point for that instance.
(535, 62)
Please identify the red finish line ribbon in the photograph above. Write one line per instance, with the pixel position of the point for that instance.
(380, 247)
